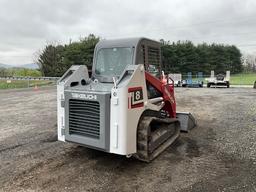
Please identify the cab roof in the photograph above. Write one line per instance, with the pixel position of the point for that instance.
(125, 42)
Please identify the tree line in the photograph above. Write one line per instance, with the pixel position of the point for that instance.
(249, 63)
(184, 56)
(55, 60)
(178, 57)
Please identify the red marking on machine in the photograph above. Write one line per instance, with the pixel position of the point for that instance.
(135, 98)
(167, 90)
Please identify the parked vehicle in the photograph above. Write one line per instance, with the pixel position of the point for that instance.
(193, 82)
(177, 78)
(219, 80)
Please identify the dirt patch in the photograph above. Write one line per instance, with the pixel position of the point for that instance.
(218, 155)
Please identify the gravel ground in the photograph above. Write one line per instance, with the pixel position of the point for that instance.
(218, 155)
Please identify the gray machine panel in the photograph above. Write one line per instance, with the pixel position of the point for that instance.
(103, 141)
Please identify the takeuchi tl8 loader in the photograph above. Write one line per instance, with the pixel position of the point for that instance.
(126, 106)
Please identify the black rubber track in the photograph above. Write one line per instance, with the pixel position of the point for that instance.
(154, 135)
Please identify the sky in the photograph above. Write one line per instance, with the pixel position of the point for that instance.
(26, 26)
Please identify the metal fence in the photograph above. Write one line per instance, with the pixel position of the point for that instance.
(30, 78)
(13, 82)
(235, 79)
(26, 82)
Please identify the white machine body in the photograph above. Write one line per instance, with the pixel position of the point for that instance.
(126, 101)
(125, 112)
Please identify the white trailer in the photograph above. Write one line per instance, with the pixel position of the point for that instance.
(218, 80)
(177, 78)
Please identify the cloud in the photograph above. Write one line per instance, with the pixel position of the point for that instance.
(26, 25)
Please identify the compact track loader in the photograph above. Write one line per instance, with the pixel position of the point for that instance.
(127, 105)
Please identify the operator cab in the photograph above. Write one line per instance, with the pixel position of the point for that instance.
(111, 57)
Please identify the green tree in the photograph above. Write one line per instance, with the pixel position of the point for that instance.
(178, 57)
(184, 56)
(49, 60)
(55, 60)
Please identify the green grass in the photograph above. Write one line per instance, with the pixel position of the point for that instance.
(23, 84)
(243, 79)
(236, 79)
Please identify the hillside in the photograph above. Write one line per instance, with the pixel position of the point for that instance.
(5, 66)
(27, 66)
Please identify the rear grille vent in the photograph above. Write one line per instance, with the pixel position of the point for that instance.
(153, 56)
(84, 118)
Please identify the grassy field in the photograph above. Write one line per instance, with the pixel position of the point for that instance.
(243, 79)
(237, 79)
(23, 83)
